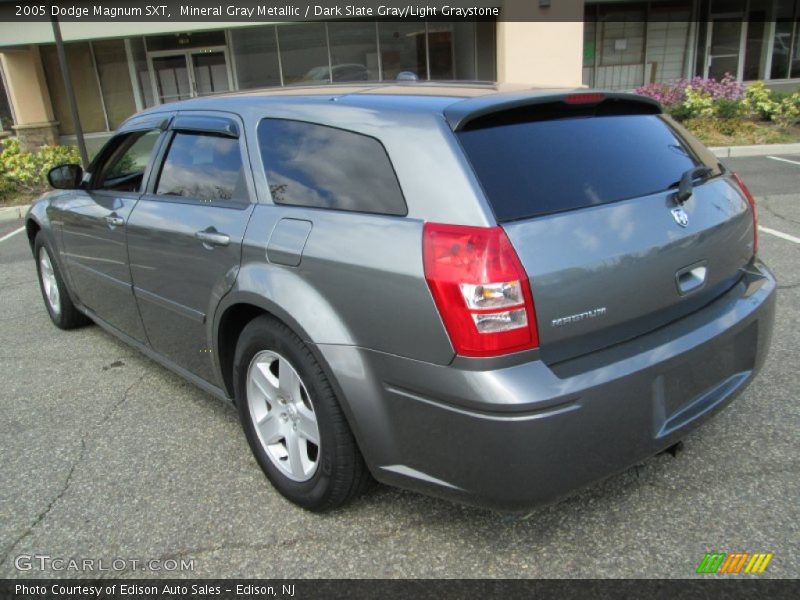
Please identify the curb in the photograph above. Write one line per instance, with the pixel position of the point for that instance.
(12, 213)
(759, 150)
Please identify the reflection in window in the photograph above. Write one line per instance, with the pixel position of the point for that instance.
(204, 167)
(403, 49)
(441, 51)
(129, 159)
(786, 43)
(256, 54)
(324, 167)
(304, 53)
(354, 51)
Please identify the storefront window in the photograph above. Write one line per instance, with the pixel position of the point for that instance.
(754, 56)
(354, 51)
(403, 48)
(255, 51)
(785, 51)
(115, 80)
(668, 29)
(142, 72)
(304, 53)
(589, 48)
(485, 43)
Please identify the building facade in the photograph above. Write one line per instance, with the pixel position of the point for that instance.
(118, 69)
(627, 44)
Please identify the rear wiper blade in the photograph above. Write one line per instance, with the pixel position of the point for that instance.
(687, 179)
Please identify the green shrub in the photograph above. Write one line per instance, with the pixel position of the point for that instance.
(728, 109)
(679, 112)
(787, 111)
(758, 101)
(27, 171)
(8, 189)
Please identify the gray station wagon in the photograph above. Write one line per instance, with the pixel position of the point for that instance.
(494, 295)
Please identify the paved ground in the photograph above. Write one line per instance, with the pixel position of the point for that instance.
(105, 454)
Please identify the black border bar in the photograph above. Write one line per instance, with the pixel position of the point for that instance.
(382, 589)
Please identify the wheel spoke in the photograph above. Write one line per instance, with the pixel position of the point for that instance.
(297, 453)
(264, 381)
(307, 425)
(269, 427)
(289, 382)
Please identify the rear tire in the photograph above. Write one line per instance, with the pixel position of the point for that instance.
(293, 421)
(54, 290)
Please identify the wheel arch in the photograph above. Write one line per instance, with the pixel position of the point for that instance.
(32, 228)
(232, 316)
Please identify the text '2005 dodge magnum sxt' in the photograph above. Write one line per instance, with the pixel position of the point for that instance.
(491, 295)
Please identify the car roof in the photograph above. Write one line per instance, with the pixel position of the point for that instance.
(458, 101)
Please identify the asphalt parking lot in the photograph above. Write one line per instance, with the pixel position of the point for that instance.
(105, 454)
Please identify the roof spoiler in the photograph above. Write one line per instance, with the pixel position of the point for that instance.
(461, 113)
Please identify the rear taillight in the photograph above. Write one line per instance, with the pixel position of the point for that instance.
(752, 202)
(480, 289)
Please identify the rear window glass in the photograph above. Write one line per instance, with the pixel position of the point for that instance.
(540, 167)
(324, 167)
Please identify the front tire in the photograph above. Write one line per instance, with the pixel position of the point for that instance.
(54, 290)
(293, 421)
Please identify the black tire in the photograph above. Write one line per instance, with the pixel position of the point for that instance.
(341, 474)
(66, 316)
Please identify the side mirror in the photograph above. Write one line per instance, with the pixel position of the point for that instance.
(65, 177)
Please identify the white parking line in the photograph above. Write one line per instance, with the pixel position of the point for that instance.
(786, 160)
(13, 233)
(779, 234)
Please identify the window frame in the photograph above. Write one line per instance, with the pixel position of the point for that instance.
(271, 198)
(192, 124)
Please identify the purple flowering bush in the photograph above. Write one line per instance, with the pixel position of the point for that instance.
(696, 97)
(728, 112)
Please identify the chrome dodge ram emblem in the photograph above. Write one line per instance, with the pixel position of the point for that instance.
(680, 216)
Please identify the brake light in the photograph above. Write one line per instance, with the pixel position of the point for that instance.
(480, 289)
(752, 202)
(591, 98)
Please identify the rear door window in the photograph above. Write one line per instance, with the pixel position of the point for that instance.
(539, 167)
(324, 167)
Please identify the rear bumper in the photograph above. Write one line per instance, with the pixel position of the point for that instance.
(514, 437)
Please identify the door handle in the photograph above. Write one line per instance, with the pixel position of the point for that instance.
(114, 220)
(213, 238)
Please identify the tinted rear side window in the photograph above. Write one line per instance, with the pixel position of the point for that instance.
(540, 167)
(324, 167)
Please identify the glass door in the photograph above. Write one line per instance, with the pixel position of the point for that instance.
(210, 71)
(171, 77)
(178, 75)
(724, 47)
